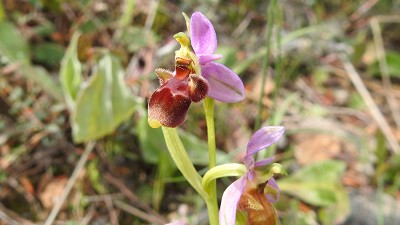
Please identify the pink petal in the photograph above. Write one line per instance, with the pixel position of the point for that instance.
(264, 162)
(261, 139)
(225, 85)
(272, 198)
(203, 59)
(229, 201)
(202, 34)
(249, 163)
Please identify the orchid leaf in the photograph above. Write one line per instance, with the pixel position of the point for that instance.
(48, 54)
(42, 78)
(70, 72)
(128, 10)
(165, 169)
(13, 46)
(95, 176)
(337, 213)
(393, 66)
(15, 49)
(151, 140)
(317, 184)
(104, 103)
(2, 14)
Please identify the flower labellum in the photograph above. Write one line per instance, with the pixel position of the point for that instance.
(169, 104)
(258, 208)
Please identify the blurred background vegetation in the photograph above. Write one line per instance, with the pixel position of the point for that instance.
(75, 77)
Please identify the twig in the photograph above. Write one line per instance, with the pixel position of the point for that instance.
(363, 9)
(138, 213)
(111, 211)
(101, 198)
(8, 220)
(370, 84)
(85, 220)
(243, 25)
(375, 112)
(308, 91)
(82, 161)
(150, 17)
(388, 18)
(380, 52)
(131, 196)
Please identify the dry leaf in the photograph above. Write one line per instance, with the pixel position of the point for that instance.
(52, 192)
(316, 147)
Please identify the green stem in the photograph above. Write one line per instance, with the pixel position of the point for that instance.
(211, 200)
(270, 15)
(209, 111)
(212, 209)
(182, 159)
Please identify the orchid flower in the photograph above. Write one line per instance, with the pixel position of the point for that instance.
(254, 192)
(195, 77)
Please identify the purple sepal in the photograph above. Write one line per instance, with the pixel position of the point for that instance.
(225, 85)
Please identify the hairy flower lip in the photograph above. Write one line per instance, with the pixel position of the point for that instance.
(167, 107)
(169, 104)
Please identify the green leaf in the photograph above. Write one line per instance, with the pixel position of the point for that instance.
(151, 140)
(41, 77)
(70, 72)
(15, 49)
(2, 14)
(165, 169)
(104, 103)
(393, 65)
(393, 62)
(316, 184)
(49, 54)
(337, 213)
(127, 13)
(70, 222)
(95, 176)
(54, 5)
(13, 45)
(3, 176)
